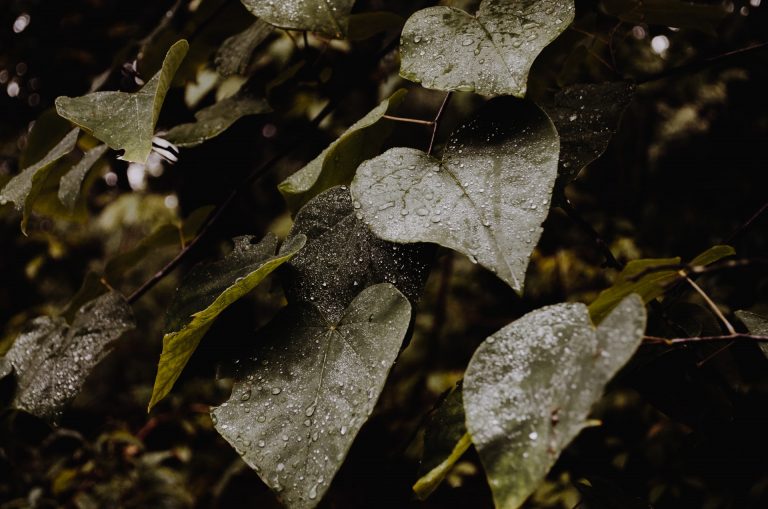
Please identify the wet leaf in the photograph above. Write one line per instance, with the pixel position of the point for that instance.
(336, 164)
(215, 119)
(24, 188)
(672, 13)
(121, 120)
(757, 325)
(485, 198)
(234, 56)
(72, 181)
(529, 388)
(52, 359)
(489, 53)
(308, 387)
(205, 293)
(329, 17)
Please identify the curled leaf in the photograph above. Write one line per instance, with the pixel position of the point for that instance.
(72, 181)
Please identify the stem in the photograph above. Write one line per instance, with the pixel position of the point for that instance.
(574, 214)
(736, 336)
(410, 120)
(710, 303)
(436, 122)
(695, 270)
(744, 227)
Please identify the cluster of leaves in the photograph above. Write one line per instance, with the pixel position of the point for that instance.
(365, 229)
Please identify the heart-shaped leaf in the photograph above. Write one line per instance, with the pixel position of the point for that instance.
(205, 293)
(71, 183)
(489, 53)
(121, 120)
(336, 164)
(24, 188)
(529, 388)
(756, 324)
(486, 197)
(52, 359)
(328, 17)
(234, 55)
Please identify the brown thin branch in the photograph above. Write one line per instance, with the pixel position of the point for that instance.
(736, 336)
(699, 269)
(407, 120)
(714, 307)
(571, 212)
(744, 227)
(436, 122)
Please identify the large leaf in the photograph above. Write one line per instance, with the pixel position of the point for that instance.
(234, 56)
(586, 116)
(529, 388)
(489, 53)
(215, 119)
(756, 324)
(673, 13)
(52, 359)
(122, 120)
(485, 198)
(24, 188)
(336, 164)
(329, 17)
(205, 293)
(72, 181)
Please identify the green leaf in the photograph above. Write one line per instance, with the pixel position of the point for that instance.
(336, 164)
(122, 120)
(72, 181)
(490, 53)
(308, 387)
(205, 293)
(365, 25)
(485, 198)
(672, 13)
(215, 119)
(46, 132)
(328, 17)
(445, 441)
(586, 117)
(52, 359)
(234, 56)
(713, 254)
(756, 324)
(529, 388)
(24, 188)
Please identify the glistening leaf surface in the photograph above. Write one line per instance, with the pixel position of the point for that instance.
(529, 388)
(205, 293)
(486, 197)
(489, 53)
(52, 359)
(72, 181)
(329, 17)
(308, 387)
(234, 55)
(757, 325)
(121, 120)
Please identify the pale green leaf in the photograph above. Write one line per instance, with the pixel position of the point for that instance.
(121, 120)
(486, 198)
(328, 17)
(72, 181)
(668, 13)
(489, 53)
(234, 56)
(713, 254)
(51, 359)
(24, 188)
(336, 164)
(205, 293)
(529, 388)
(757, 325)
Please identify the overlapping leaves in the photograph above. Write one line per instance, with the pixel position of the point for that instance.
(329, 17)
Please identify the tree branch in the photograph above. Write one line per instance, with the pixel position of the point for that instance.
(736, 336)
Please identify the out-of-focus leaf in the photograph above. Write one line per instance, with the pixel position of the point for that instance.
(121, 120)
(328, 17)
(205, 293)
(24, 188)
(489, 53)
(72, 181)
(336, 164)
(215, 119)
(310, 384)
(234, 56)
(367, 24)
(485, 198)
(529, 388)
(757, 325)
(674, 13)
(52, 359)
(713, 254)
(46, 132)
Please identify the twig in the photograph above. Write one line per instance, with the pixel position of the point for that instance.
(699, 269)
(744, 227)
(715, 309)
(736, 336)
(575, 216)
(410, 120)
(436, 122)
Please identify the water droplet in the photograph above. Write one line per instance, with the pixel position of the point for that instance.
(276, 391)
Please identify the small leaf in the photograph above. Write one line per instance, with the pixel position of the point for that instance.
(713, 254)
(336, 164)
(490, 53)
(485, 198)
(234, 56)
(672, 13)
(329, 17)
(122, 120)
(72, 181)
(308, 387)
(529, 388)
(757, 325)
(205, 293)
(24, 188)
(52, 359)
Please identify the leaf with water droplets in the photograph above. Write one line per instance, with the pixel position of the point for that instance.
(336, 164)
(215, 119)
(24, 188)
(586, 117)
(485, 198)
(309, 385)
(757, 325)
(72, 181)
(490, 53)
(328, 17)
(121, 120)
(52, 359)
(529, 388)
(206, 292)
(234, 55)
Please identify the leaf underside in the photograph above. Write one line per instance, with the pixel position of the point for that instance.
(328, 17)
